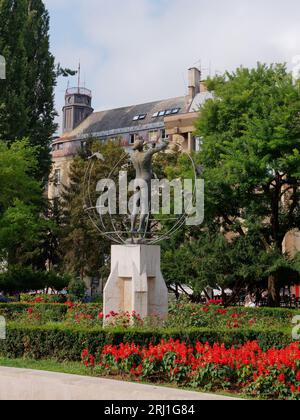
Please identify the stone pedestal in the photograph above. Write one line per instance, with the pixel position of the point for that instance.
(136, 282)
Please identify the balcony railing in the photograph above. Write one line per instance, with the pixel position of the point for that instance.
(79, 91)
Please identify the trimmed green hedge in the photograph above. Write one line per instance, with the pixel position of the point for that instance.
(66, 343)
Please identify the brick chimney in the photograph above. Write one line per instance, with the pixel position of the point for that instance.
(194, 82)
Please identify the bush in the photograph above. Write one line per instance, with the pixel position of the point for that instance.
(216, 316)
(41, 298)
(71, 314)
(76, 290)
(63, 342)
(49, 312)
(271, 374)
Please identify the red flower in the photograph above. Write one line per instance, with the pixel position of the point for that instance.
(298, 376)
(70, 304)
(92, 360)
(222, 311)
(247, 363)
(101, 315)
(38, 300)
(215, 302)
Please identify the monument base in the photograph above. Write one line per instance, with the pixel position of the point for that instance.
(136, 282)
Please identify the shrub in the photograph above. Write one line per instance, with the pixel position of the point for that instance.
(76, 289)
(271, 374)
(67, 342)
(19, 311)
(42, 298)
(214, 315)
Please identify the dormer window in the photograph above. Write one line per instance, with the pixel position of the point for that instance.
(139, 117)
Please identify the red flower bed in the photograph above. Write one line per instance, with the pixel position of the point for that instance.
(246, 369)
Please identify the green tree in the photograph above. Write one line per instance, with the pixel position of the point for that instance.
(40, 83)
(13, 90)
(21, 199)
(251, 156)
(27, 95)
(17, 162)
(85, 252)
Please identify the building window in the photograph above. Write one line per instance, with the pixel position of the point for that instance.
(132, 138)
(166, 112)
(59, 146)
(198, 144)
(68, 118)
(152, 136)
(139, 117)
(163, 134)
(57, 177)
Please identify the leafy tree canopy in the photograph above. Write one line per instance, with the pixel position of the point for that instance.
(251, 158)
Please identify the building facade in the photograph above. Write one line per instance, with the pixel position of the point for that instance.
(168, 118)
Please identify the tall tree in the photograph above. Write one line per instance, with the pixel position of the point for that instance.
(251, 156)
(13, 90)
(27, 95)
(41, 80)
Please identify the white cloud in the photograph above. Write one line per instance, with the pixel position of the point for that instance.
(134, 50)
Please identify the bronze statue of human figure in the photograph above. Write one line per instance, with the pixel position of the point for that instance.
(142, 162)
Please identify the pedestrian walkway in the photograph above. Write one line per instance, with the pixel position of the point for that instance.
(24, 384)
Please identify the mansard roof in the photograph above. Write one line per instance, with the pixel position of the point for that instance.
(124, 120)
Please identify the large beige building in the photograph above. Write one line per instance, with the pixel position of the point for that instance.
(169, 118)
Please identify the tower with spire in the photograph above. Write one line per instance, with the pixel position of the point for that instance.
(78, 105)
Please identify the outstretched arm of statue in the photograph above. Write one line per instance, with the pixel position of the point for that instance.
(159, 146)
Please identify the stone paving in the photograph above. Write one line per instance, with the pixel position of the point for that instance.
(24, 384)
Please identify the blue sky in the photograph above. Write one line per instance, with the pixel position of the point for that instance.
(135, 51)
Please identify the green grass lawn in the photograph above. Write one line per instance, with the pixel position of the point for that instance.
(72, 368)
